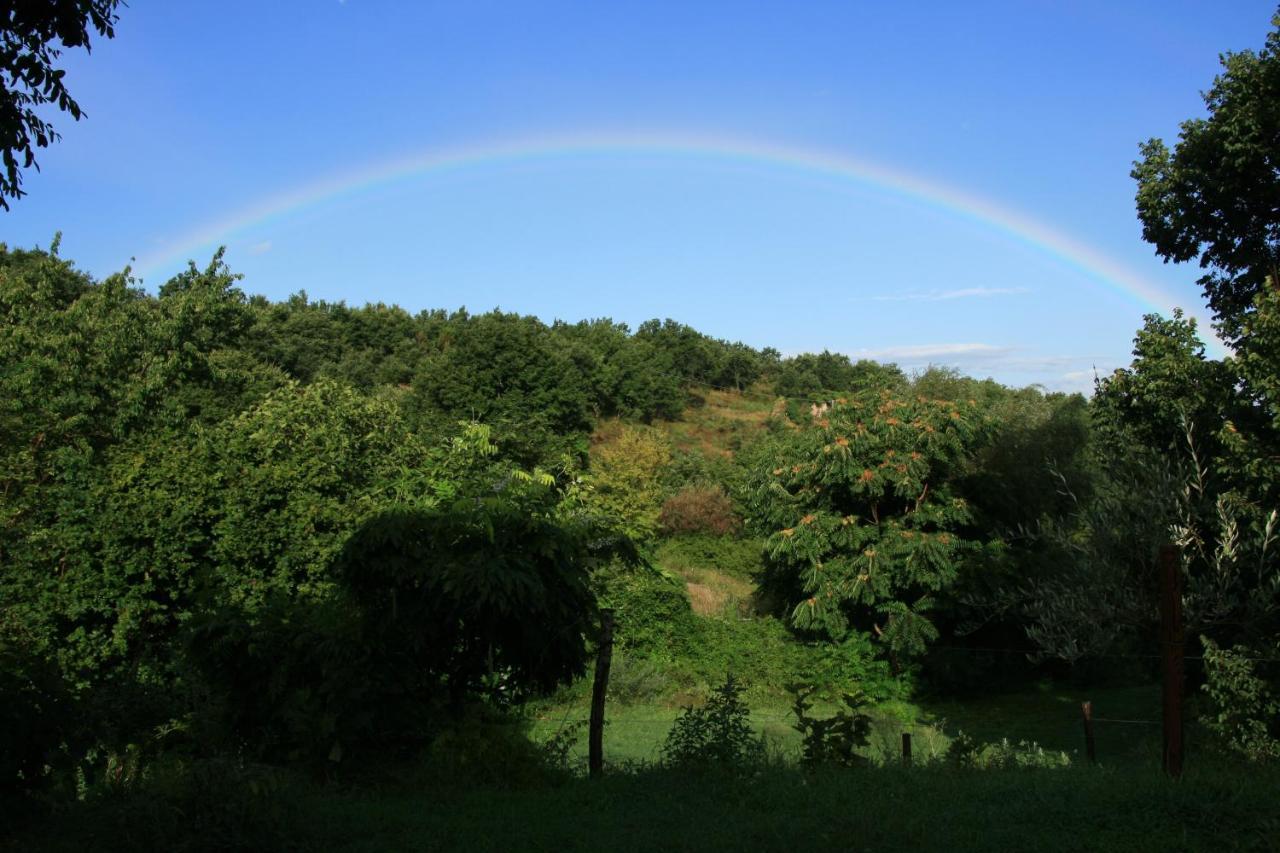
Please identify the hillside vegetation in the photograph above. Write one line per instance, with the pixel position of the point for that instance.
(302, 575)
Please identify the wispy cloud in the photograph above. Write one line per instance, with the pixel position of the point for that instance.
(1015, 365)
(920, 353)
(260, 248)
(945, 295)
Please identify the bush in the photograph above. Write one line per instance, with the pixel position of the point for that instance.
(739, 558)
(652, 612)
(485, 749)
(1246, 713)
(699, 509)
(635, 681)
(36, 713)
(715, 735)
(191, 807)
(966, 752)
(834, 669)
(834, 740)
(626, 477)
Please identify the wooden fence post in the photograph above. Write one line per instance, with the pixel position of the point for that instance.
(906, 747)
(1171, 651)
(595, 732)
(1090, 748)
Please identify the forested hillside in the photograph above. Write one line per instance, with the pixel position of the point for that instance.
(235, 519)
(311, 575)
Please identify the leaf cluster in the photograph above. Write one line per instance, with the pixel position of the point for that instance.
(30, 79)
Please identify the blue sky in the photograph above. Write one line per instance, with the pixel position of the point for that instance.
(199, 111)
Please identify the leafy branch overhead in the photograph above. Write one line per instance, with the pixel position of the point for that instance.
(29, 78)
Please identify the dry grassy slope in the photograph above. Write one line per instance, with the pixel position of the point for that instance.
(712, 592)
(715, 426)
(725, 420)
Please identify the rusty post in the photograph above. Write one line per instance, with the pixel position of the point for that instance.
(595, 732)
(1171, 652)
(906, 747)
(1090, 748)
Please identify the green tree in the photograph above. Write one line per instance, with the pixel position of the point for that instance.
(1213, 197)
(627, 464)
(1169, 383)
(867, 524)
(506, 371)
(477, 588)
(629, 376)
(29, 78)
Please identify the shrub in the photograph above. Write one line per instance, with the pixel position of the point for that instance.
(851, 665)
(485, 749)
(633, 681)
(1246, 713)
(557, 750)
(715, 735)
(626, 471)
(190, 807)
(739, 558)
(699, 509)
(966, 752)
(834, 740)
(652, 612)
(36, 712)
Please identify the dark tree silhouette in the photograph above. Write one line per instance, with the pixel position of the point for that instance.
(28, 78)
(1215, 197)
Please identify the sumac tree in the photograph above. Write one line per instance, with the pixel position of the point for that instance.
(867, 527)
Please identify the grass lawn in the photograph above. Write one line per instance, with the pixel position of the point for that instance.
(1212, 808)
(1125, 804)
(868, 810)
(1048, 715)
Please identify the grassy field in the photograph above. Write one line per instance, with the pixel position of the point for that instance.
(1048, 715)
(878, 810)
(779, 808)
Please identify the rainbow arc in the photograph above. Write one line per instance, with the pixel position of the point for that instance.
(966, 205)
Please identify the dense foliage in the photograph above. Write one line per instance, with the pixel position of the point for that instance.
(245, 541)
(871, 526)
(311, 534)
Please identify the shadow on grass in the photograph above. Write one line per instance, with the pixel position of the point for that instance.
(1216, 806)
(1051, 717)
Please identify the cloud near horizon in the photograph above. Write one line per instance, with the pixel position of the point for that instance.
(1052, 372)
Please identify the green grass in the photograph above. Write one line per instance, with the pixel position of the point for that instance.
(1050, 715)
(891, 809)
(880, 810)
(636, 733)
(494, 796)
(1047, 714)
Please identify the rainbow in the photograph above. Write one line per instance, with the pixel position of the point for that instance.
(825, 164)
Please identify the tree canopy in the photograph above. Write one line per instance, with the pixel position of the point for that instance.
(868, 524)
(1215, 196)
